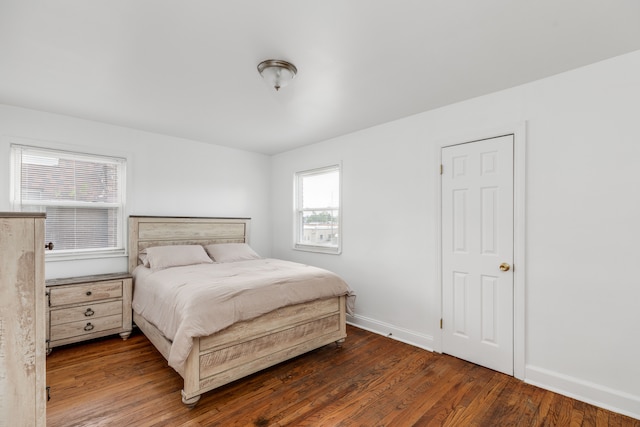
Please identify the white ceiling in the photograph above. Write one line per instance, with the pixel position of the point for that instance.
(188, 68)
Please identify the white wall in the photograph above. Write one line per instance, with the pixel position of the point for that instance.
(582, 234)
(166, 175)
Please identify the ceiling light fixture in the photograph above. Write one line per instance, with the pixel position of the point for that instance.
(277, 72)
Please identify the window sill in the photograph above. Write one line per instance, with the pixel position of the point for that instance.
(76, 256)
(317, 249)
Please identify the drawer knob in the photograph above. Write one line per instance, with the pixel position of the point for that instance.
(88, 293)
(89, 312)
(49, 246)
(88, 327)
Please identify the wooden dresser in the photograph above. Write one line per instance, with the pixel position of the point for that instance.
(22, 320)
(86, 307)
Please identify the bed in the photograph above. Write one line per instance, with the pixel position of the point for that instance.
(244, 347)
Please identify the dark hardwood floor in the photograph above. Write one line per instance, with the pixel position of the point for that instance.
(371, 381)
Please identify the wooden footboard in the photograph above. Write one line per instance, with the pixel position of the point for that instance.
(253, 345)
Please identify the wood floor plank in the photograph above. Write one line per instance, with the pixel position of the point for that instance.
(377, 386)
(540, 416)
(560, 411)
(474, 411)
(444, 411)
(529, 405)
(372, 381)
(421, 394)
(330, 398)
(506, 406)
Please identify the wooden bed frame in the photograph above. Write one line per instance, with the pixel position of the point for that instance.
(246, 347)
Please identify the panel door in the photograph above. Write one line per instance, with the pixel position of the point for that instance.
(477, 237)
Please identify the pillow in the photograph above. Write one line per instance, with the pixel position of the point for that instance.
(230, 252)
(144, 259)
(159, 257)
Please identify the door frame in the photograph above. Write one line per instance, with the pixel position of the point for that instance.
(518, 130)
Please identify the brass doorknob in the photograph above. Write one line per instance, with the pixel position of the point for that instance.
(504, 267)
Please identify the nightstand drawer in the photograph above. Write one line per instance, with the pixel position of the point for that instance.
(63, 295)
(86, 312)
(85, 327)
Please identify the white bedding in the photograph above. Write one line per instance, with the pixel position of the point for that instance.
(198, 300)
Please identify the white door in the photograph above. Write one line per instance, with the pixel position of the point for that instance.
(477, 252)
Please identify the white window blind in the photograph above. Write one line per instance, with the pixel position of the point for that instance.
(82, 195)
(318, 218)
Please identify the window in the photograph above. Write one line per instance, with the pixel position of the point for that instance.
(82, 195)
(318, 218)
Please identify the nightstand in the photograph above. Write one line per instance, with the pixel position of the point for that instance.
(86, 307)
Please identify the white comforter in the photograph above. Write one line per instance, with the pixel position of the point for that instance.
(198, 300)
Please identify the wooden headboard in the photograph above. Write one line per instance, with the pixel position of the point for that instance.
(148, 231)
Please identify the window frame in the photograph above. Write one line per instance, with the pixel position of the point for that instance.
(18, 149)
(298, 243)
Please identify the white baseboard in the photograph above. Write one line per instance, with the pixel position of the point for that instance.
(400, 334)
(595, 394)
